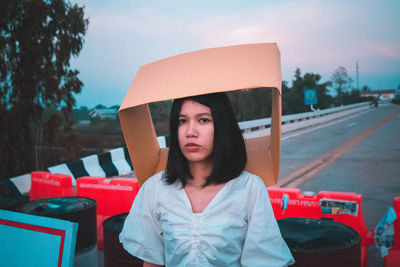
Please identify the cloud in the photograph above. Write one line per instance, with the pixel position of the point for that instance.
(384, 49)
(143, 21)
(316, 36)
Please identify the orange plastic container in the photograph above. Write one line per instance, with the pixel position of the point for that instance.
(61, 186)
(120, 193)
(47, 185)
(114, 196)
(340, 206)
(39, 181)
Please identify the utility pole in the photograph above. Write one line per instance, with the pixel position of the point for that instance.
(358, 85)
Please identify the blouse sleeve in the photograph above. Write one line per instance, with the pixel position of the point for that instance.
(263, 245)
(141, 235)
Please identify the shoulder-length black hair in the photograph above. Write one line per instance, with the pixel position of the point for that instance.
(229, 151)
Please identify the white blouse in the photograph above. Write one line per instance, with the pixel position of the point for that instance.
(237, 228)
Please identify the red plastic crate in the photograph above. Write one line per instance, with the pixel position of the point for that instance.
(47, 185)
(61, 186)
(39, 181)
(120, 193)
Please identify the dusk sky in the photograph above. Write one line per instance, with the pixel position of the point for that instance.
(315, 36)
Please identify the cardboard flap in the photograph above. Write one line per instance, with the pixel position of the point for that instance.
(205, 71)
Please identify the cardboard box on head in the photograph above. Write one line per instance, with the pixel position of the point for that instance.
(205, 71)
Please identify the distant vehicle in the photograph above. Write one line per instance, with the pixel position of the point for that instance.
(374, 102)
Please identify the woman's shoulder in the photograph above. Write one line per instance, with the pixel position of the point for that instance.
(157, 180)
(249, 180)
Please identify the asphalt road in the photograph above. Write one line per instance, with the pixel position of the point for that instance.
(357, 154)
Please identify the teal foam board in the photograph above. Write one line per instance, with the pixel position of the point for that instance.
(30, 240)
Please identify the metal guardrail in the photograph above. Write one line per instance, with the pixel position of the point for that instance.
(259, 124)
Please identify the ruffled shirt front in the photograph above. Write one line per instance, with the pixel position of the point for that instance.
(237, 228)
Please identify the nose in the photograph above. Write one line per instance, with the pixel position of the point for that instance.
(191, 130)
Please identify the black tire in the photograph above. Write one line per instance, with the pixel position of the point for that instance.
(321, 242)
(75, 209)
(12, 202)
(114, 253)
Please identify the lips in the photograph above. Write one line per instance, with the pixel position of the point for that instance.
(192, 147)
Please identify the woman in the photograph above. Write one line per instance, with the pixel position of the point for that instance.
(204, 209)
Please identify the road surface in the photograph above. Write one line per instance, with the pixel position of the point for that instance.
(357, 154)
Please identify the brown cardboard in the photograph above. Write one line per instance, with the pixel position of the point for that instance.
(205, 71)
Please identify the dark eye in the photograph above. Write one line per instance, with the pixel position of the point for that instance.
(204, 120)
(181, 121)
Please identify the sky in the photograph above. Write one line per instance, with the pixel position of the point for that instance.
(314, 36)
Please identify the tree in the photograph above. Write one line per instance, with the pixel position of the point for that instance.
(37, 40)
(365, 88)
(160, 114)
(115, 107)
(51, 127)
(251, 104)
(293, 98)
(341, 82)
(83, 113)
(100, 106)
(285, 98)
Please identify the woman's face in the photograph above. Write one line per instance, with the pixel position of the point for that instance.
(196, 132)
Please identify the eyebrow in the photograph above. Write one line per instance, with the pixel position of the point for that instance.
(197, 115)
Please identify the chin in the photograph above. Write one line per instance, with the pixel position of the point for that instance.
(194, 159)
(193, 156)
